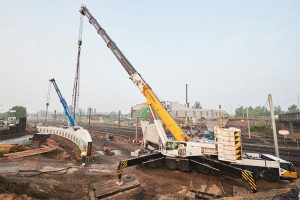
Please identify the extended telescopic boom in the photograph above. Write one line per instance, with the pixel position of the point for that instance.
(64, 104)
(151, 98)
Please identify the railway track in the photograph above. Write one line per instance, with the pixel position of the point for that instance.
(288, 150)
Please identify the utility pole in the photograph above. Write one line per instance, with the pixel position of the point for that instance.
(54, 117)
(273, 125)
(186, 96)
(136, 128)
(249, 134)
(1, 106)
(90, 110)
(119, 120)
(79, 117)
(221, 123)
(186, 102)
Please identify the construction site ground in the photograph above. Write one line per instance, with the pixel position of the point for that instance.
(60, 175)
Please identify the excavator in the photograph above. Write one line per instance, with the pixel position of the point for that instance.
(223, 154)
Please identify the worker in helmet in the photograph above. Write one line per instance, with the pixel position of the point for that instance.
(83, 155)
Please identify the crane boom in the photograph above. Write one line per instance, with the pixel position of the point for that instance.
(64, 104)
(150, 96)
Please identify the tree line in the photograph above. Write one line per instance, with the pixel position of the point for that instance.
(20, 111)
(263, 111)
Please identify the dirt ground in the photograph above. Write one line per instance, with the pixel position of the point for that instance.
(74, 181)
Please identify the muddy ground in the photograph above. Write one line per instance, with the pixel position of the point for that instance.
(74, 181)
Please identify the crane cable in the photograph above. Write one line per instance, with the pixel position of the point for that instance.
(47, 102)
(75, 96)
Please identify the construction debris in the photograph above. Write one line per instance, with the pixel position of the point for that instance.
(293, 194)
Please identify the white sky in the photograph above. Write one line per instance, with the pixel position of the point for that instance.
(229, 52)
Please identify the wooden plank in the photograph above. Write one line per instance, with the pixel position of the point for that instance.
(29, 152)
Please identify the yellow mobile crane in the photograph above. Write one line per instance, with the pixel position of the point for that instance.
(224, 154)
(171, 150)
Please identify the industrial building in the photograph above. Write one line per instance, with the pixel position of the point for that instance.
(199, 117)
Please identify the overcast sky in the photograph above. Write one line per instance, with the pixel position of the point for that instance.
(229, 52)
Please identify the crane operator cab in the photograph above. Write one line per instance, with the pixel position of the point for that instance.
(175, 148)
(286, 170)
(172, 145)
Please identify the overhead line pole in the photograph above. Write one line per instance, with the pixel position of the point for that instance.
(273, 125)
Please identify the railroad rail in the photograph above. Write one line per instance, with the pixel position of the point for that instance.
(288, 149)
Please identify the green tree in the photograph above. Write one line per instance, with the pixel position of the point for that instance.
(20, 112)
(240, 112)
(293, 108)
(255, 112)
(259, 111)
(197, 105)
(278, 110)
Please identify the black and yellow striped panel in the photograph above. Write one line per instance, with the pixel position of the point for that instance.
(238, 145)
(249, 177)
(122, 165)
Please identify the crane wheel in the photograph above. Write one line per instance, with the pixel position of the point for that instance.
(171, 164)
(270, 175)
(203, 169)
(183, 165)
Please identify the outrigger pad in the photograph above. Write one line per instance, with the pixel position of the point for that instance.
(108, 188)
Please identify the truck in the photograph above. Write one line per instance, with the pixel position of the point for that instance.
(11, 121)
(222, 154)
